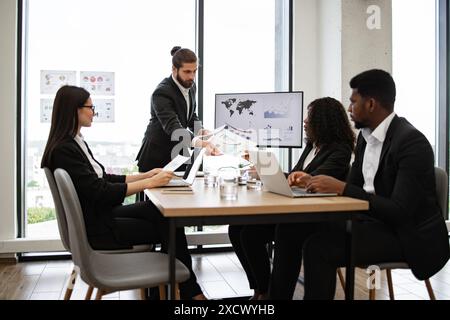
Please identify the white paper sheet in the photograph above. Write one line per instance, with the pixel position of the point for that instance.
(52, 80)
(104, 110)
(98, 82)
(175, 163)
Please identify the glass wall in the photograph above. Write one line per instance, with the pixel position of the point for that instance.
(246, 50)
(119, 50)
(414, 63)
(239, 49)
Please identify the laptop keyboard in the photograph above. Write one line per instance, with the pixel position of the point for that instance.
(297, 190)
(177, 183)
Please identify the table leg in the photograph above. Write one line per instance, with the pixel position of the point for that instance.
(350, 263)
(172, 255)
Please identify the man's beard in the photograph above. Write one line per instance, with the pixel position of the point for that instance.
(187, 84)
(359, 125)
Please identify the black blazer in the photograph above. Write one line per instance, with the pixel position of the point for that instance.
(97, 195)
(405, 196)
(168, 113)
(331, 160)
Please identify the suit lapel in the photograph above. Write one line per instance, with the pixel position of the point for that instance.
(316, 159)
(356, 175)
(181, 103)
(191, 109)
(301, 161)
(388, 139)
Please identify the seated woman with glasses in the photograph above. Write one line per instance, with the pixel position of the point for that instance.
(109, 224)
(329, 146)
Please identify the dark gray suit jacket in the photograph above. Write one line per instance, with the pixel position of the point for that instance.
(168, 114)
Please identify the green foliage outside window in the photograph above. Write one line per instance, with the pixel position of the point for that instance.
(38, 215)
(32, 184)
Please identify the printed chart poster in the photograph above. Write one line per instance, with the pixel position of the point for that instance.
(98, 83)
(46, 110)
(52, 80)
(104, 110)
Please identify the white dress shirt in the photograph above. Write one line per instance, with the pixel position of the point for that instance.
(185, 93)
(79, 139)
(371, 160)
(310, 157)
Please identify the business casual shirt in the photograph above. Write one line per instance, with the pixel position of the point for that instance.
(98, 170)
(371, 161)
(185, 93)
(310, 157)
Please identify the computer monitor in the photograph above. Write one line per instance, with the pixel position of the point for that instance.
(270, 119)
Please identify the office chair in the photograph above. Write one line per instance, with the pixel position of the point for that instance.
(63, 231)
(442, 197)
(111, 272)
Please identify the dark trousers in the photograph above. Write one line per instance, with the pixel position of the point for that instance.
(142, 223)
(324, 252)
(287, 261)
(250, 244)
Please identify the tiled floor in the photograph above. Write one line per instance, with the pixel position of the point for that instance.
(219, 275)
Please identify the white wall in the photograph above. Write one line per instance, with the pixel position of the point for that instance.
(8, 16)
(330, 47)
(362, 48)
(332, 43)
(306, 48)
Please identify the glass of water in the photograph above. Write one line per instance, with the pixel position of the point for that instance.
(254, 184)
(228, 183)
(210, 178)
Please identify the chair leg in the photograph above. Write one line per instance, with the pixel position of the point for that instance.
(341, 278)
(177, 292)
(390, 284)
(100, 294)
(372, 291)
(143, 293)
(71, 284)
(89, 293)
(430, 289)
(162, 292)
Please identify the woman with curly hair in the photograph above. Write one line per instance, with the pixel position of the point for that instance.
(329, 145)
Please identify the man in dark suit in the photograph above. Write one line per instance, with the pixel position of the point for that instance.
(394, 171)
(174, 122)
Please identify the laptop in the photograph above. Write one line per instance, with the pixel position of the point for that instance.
(191, 170)
(274, 179)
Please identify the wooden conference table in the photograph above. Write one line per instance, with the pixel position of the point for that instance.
(204, 207)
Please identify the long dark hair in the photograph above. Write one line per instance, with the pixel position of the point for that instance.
(328, 123)
(64, 118)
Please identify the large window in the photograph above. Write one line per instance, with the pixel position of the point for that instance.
(414, 63)
(127, 42)
(241, 49)
(120, 50)
(246, 50)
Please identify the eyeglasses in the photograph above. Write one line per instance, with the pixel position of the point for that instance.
(90, 107)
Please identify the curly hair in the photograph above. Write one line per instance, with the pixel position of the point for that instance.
(328, 123)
